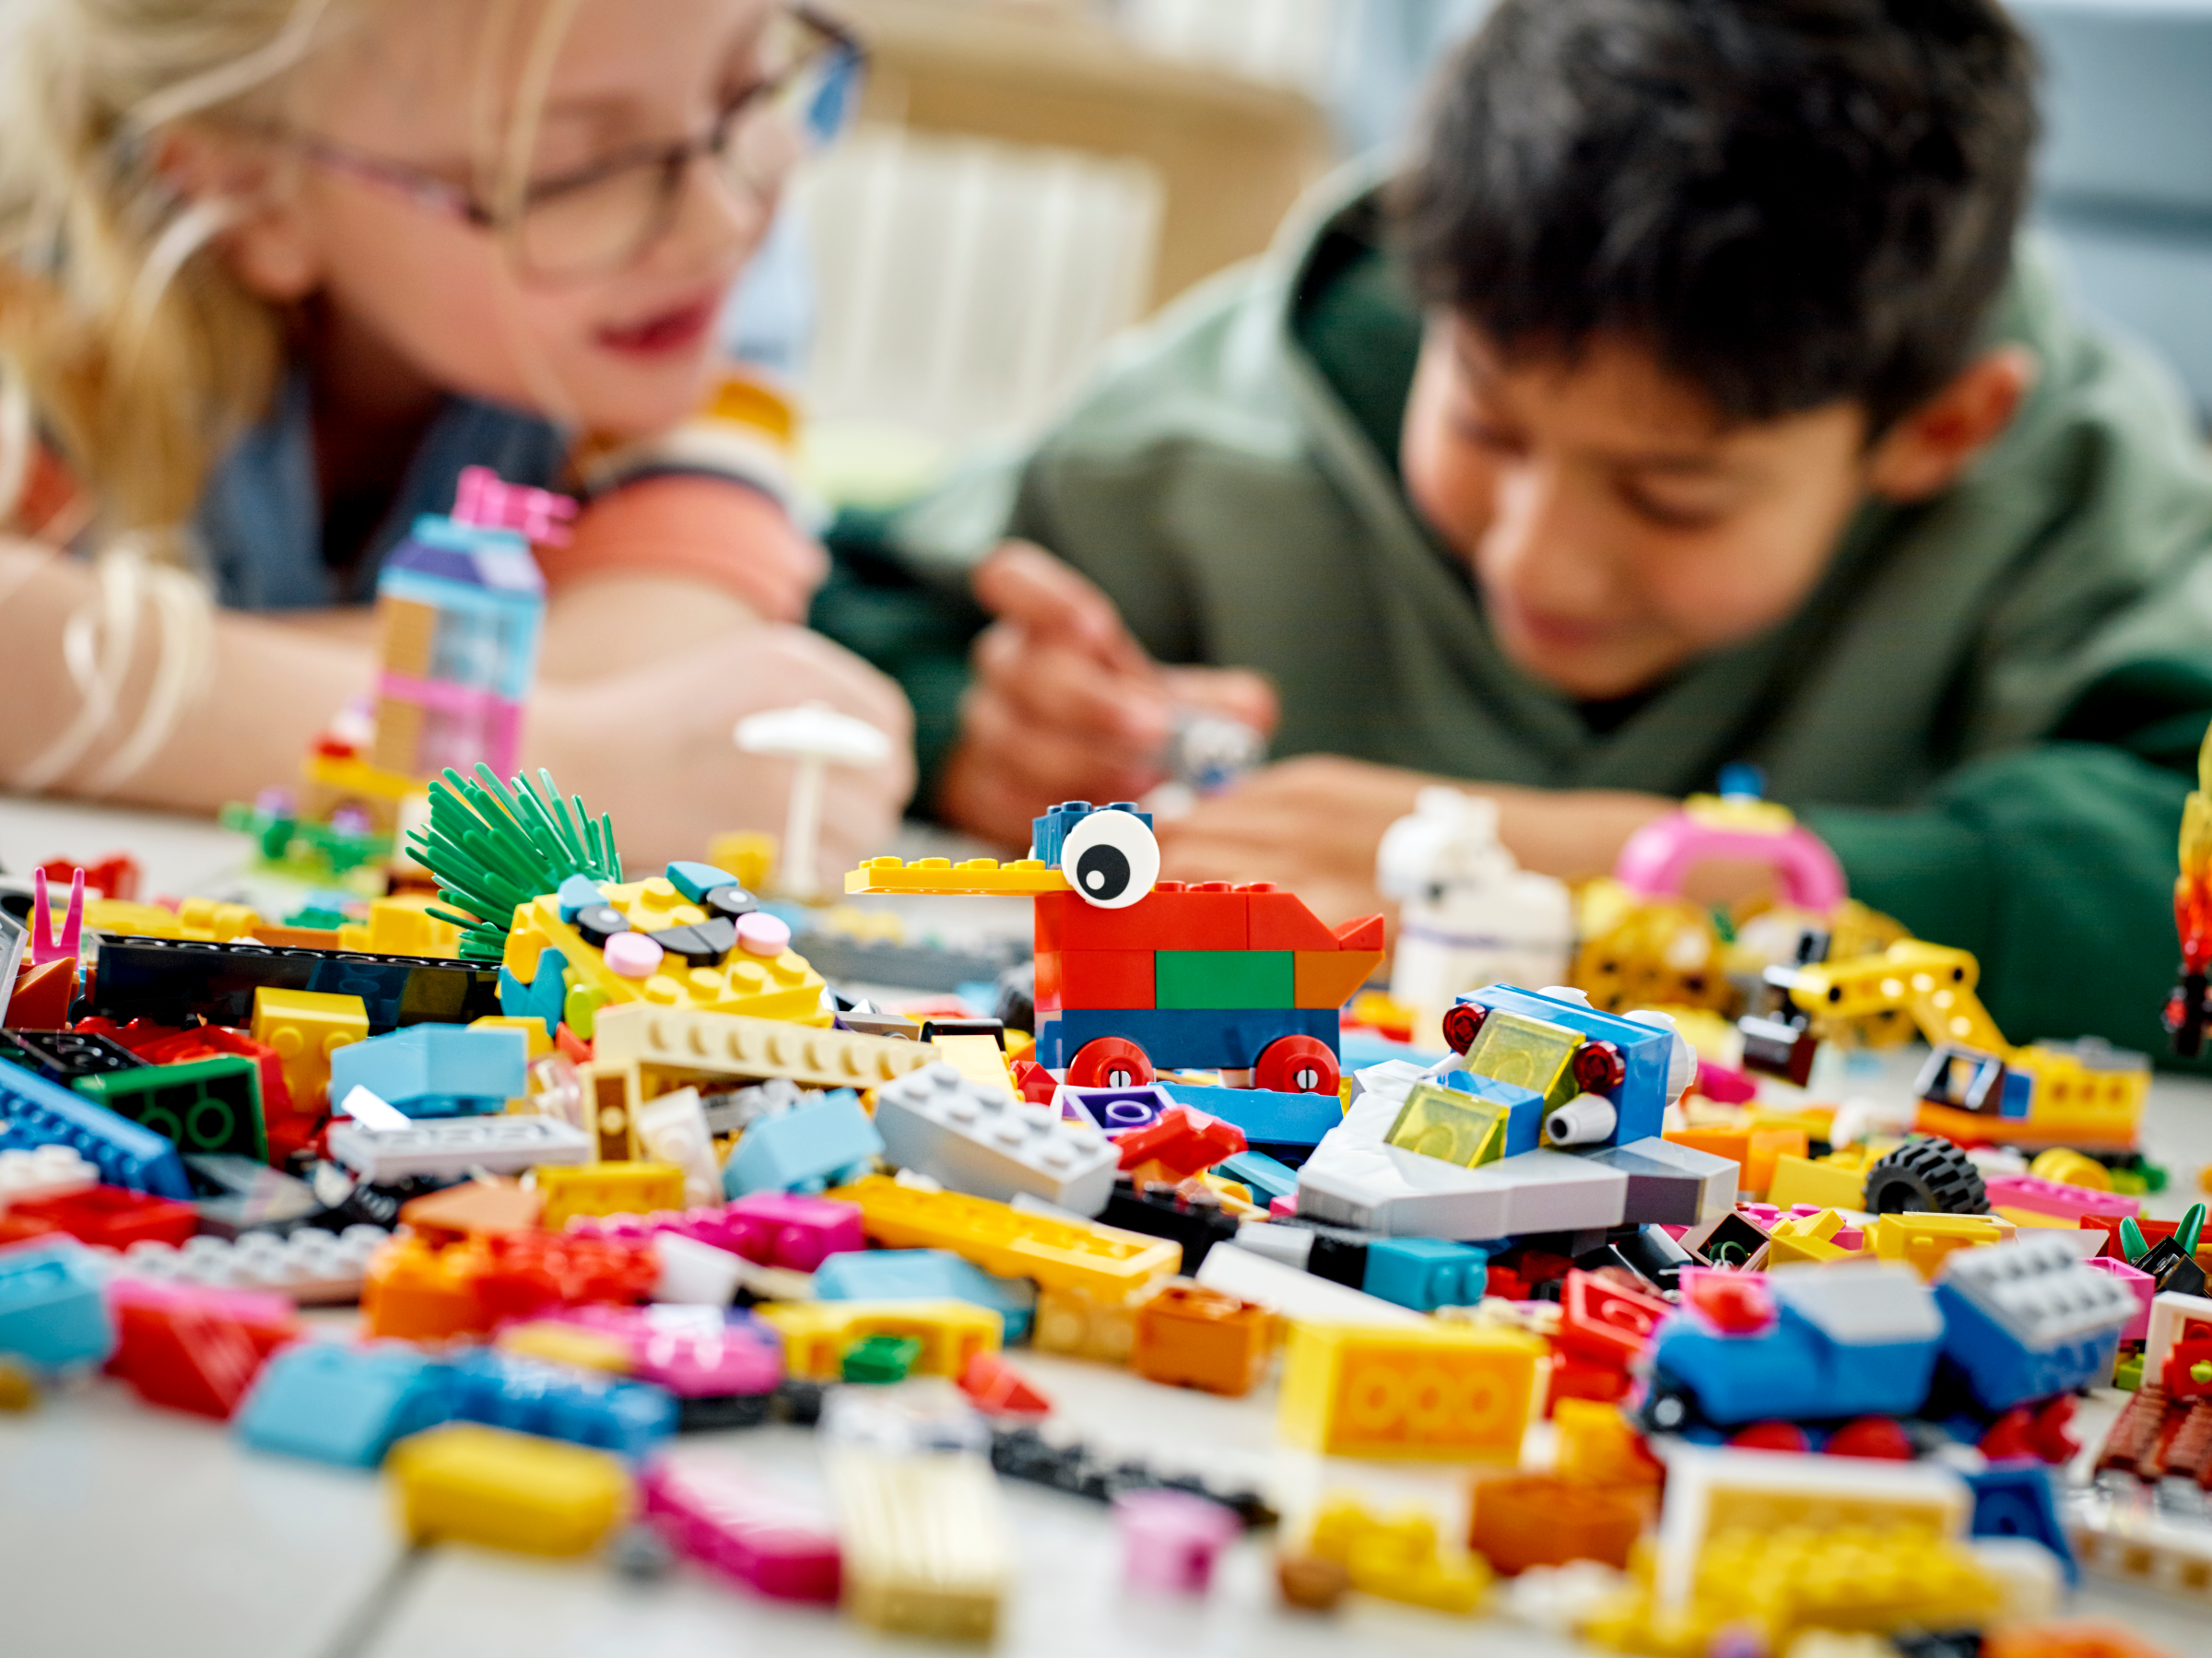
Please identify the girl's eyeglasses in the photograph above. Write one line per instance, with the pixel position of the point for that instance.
(606, 217)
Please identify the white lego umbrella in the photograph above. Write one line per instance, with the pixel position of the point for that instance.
(817, 737)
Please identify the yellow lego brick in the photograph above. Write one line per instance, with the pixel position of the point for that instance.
(726, 1044)
(785, 988)
(572, 1344)
(1075, 1323)
(923, 1541)
(203, 918)
(306, 1027)
(1442, 1391)
(129, 920)
(1832, 1185)
(1024, 877)
(1923, 1241)
(1106, 1261)
(613, 1092)
(404, 926)
(815, 1334)
(978, 1058)
(1806, 1241)
(467, 1483)
(358, 777)
(622, 1188)
(1864, 1578)
(747, 853)
(1450, 1126)
(533, 1031)
(1396, 1557)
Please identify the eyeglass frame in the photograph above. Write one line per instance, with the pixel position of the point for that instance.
(428, 190)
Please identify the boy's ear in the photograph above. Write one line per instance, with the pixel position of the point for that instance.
(264, 240)
(1926, 452)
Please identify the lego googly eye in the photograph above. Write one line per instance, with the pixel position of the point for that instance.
(1110, 859)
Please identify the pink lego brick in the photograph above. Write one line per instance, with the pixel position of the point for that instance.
(2039, 1196)
(695, 1353)
(1171, 1539)
(1283, 1208)
(783, 1229)
(720, 1518)
(2138, 1283)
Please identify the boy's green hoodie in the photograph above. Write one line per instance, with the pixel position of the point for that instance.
(1990, 707)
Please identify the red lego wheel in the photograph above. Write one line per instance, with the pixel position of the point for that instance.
(1295, 1064)
(1110, 1062)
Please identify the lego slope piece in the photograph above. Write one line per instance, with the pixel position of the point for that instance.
(35, 1113)
(925, 1542)
(1439, 1392)
(1008, 1242)
(726, 1044)
(987, 1142)
(815, 1142)
(502, 1145)
(472, 1484)
(343, 1404)
(436, 1070)
(52, 1311)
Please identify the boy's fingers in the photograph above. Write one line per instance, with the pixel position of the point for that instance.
(1045, 763)
(1062, 689)
(1237, 693)
(1025, 584)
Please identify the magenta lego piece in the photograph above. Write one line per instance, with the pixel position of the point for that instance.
(719, 1517)
(2039, 1196)
(1725, 1084)
(2138, 1283)
(694, 1352)
(1283, 1208)
(1658, 856)
(783, 1229)
(1171, 1539)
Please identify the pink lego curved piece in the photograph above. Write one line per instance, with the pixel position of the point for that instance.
(1660, 854)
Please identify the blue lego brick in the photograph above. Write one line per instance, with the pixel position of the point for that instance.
(1119, 1111)
(2017, 1499)
(1182, 1038)
(344, 1405)
(1266, 1178)
(696, 880)
(577, 893)
(1646, 1053)
(1424, 1273)
(1792, 1369)
(627, 1417)
(1271, 1118)
(1523, 1107)
(1047, 832)
(436, 1070)
(805, 1148)
(2002, 1371)
(545, 997)
(923, 1275)
(2018, 1096)
(51, 1308)
(40, 1113)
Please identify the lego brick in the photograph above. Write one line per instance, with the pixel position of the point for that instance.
(1184, 1038)
(2027, 1321)
(463, 1482)
(505, 1389)
(36, 1112)
(310, 1265)
(188, 1347)
(1396, 1557)
(1647, 1052)
(818, 1142)
(608, 1188)
(1296, 1295)
(1463, 1127)
(1171, 917)
(925, 1542)
(1520, 1521)
(1330, 978)
(42, 995)
(672, 1128)
(109, 1216)
(1020, 876)
(1264, 1116)
(436, 1070)
(1437, 1392)
(1221, 979)
(975, 1056)
(1559, 1192)
(1075, 1323)
(2020, 1500)
(166, 982)
(1188, 1336)
(1354, 1178)
(1535, 1053)
(2056, 1198)
(305, 1027)
(209, 1106)
(1671, 1184)
(1604, 1322)
(614, 1089)
(1423, 1273)
(54, 1170)
(1008, 1242)
(1280, 921)
(1115, 1111)
(719, 1513)
(331, 1403)
(817, 1333)
(924, 1275)
(53, 1313)
(844, 960)
(986, 1142)
(1159, 1210)
(2138, 1286)
(1924, 1240)
(723, 1044)
(65, 1056)
(1265, 1177)
(1809, 1181)
(1095, 979)
(502, 1145)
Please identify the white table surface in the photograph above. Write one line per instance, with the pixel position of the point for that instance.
(126, 1530)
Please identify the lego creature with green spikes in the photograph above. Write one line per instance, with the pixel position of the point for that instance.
(2172, 1262)
(492, 848)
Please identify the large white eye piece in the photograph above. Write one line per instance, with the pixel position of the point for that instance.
(1110, 859)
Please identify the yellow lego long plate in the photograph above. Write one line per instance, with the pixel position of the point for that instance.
(1105, 1261)
(1024, 877)
(925, 1542)
(732, 1044)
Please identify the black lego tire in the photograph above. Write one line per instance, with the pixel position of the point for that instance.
(1928, 1174)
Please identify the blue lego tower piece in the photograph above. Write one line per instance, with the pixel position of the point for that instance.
(805, 1148)
(1647, 1052)
(1201, 1039)
(40, 1113)
(922, 1274)
(1424, 1273)
(344, 1405)
(1267, 1118)
(1266, 1178)
(2017, 1499)
(436, 1070)
(545, 997)
(1047, 832)
(51, 1308)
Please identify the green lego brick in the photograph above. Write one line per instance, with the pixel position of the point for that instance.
(881, 1359)
(203, 1105)
(1224, 979)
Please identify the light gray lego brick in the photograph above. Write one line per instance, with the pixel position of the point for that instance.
(986, 1142)
(502, 1145)
(1559, 1192)
(310, 1265)
(2036, 1289)
(1355, 1179)
(1859, 1302)
(1716, 1178)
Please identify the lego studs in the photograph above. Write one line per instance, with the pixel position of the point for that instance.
(1110, 859)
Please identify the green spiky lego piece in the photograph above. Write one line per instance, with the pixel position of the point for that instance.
(492, 849)
(2191, 1228)
(2130, 1241)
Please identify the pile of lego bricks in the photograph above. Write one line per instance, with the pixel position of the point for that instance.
(587, 1217)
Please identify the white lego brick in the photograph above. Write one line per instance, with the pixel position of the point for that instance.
(43, 1171)
(1355, 1179)
(502, 1145)
(310, 1265)
(1390, 1080)
(2171, 1313)
(1559, 1192)
(2038, 1291)
(695, 1274)
(1716, 1176)
(1296, 1294)
(989, 1143)
(673, 1129)
(1854, 1302)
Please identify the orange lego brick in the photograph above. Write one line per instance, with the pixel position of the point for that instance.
(1330, 978)
(2065, 1640)
(412, 1292)
(1732, 1143)
(1523, 1519)
(1191, 1336)
(1765, 1145)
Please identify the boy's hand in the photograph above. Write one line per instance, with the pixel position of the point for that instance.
(1065, 704)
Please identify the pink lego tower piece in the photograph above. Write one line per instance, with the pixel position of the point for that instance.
(45, 946)
(539, 515)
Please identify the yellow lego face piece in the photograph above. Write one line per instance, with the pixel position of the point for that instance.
(671, 1042)
(1445, 1393)
(1024, 877)
(1450, 1126)
(1535, 1053)
(474, 1483)
(306, 1027)
(815, 1334)
(999, 1239)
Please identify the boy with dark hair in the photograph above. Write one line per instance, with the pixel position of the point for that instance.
(1688, 400)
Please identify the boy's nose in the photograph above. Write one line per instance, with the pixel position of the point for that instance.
(1547, 545)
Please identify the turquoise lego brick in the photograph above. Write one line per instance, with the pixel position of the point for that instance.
(1424, 1273)
(436, 1070)
(696, 880)
(577, 893)
(1266, 1118)
(803, 1149)
(52, 1312)
(344, 1405)
(1266, 1178)
(1224, 979)
(924, 1275)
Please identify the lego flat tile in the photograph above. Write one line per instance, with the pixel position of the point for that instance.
(1330, 978)
(1020, 876)
(1167, 918)
(729, 1045)
(1182, 1038)
(1355, 1178)
(1689, 1184)
(1221, 979)
(502, 1145)
(1095, 979)
(1266, 1117)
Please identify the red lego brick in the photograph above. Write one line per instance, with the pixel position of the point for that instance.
(1171, 917)
(111, 1216)
(115, 875)
(1095, 979)
(1036, 1084)
(1574, 1377)
(1280, 921)
(529, 1273)
(191, 1349)
(209, 1042)
(1366, 934)
(1183, 1142)
(1603, 1323)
